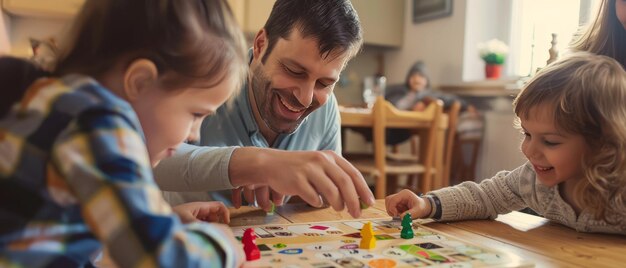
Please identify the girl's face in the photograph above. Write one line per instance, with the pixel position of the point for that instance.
(556, 156)
(171, 116)
(620, 10)
(417, 82)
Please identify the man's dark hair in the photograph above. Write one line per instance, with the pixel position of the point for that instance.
(333, 23)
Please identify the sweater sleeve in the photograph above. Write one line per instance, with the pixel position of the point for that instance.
(195, 168)
(488, 199)
(105, 164)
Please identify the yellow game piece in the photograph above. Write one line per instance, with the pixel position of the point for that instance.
(368, 241)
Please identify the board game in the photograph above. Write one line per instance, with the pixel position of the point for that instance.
(336, 244)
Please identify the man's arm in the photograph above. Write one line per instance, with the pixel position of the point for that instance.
(195, 168)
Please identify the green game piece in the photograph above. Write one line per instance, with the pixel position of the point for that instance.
(272, 209)
(363, 205)
(407, 230)
(280, 245)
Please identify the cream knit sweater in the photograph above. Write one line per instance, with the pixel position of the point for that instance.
(514, 190)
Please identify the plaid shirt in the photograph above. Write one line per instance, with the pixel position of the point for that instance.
(75, 175)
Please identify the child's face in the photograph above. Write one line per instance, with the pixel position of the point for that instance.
(170, 116)
(417, 82)
(556, 156)
(620, 10)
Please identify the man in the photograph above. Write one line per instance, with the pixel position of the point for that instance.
(287, 104)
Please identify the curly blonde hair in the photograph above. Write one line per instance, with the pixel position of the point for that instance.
(588, 93)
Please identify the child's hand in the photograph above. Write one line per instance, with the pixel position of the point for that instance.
(205, 211)
(407, 202)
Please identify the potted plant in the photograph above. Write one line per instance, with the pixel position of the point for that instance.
(493, 52)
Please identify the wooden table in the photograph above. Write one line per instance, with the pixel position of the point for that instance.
(532, 238)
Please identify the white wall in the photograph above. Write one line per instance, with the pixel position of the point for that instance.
(485, 20)
(438, 42)
(5, 25)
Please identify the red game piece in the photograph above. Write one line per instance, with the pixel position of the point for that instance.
(249, 245)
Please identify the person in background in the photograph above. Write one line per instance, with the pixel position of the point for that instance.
(414, 95)
(572, 116)
(78, 145)
(285, 122)
(416, 92)
(607, 34)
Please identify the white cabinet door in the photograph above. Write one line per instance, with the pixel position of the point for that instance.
(43, 8)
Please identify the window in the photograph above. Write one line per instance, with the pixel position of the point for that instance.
(534, 22)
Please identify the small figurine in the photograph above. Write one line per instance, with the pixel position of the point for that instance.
(249, 245)
(368, 241)
(407, 230)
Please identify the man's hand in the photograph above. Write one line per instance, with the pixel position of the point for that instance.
(259, 194)
(204, 211)
(307, 174)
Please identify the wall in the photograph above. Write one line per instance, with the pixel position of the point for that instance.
(438, 42)
(485, 20)
(23, 28)
(349, 89)
(5, 25)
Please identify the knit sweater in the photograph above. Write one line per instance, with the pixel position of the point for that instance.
(514, 190)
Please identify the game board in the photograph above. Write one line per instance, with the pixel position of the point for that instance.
(336, 244)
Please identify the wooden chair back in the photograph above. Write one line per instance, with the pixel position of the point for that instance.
(425, 123)
(453, 121)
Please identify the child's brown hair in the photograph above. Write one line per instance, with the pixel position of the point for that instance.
(588, 96)
(187, 40)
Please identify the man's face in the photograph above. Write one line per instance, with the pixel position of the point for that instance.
(293, 81)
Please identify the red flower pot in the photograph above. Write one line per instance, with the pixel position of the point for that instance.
(493, 71)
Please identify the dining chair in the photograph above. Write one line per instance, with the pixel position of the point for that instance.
(450, 139)
(382, 163)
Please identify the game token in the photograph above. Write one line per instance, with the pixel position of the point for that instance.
(368, 241)
(279, 245)
(249, 245)
(407, 228)
(272, 209)
(363, 205)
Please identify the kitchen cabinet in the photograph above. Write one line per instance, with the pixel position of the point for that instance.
(43, 8)
(382, 21)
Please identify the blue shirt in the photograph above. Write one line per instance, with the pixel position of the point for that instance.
(234, 125)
